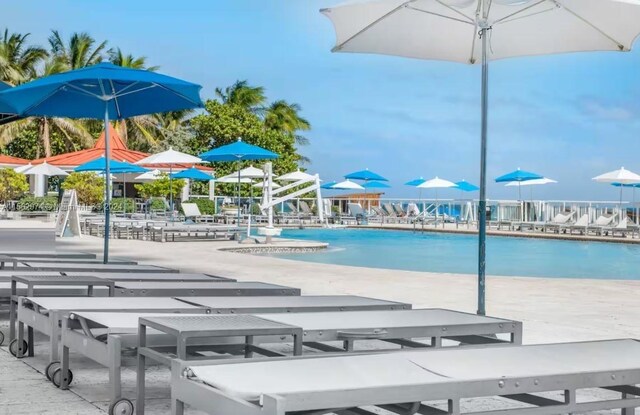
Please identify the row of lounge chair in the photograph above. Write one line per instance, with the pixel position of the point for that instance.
(268, 350)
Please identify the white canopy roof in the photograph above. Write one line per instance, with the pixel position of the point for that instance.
(170, 156)
(150, 175)
(436, 183)
(22, 169)
(233, 178)
(347, 185)
(296, 176)
(622, 176)
(46, 169)
(260, 185)
(250, 172)
(544, 180)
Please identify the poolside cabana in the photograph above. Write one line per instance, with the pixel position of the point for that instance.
(119, 152)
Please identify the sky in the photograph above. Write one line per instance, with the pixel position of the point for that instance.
(567, 117)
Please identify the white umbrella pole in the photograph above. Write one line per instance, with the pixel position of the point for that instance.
(482, 218)
(107, 170)
(171, 192)
(238, 218)
(124, 192)
(250, 206)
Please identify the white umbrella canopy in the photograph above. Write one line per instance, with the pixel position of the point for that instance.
(534, 182)
(150, 175)
(46, 169)
(477, 31)
(295, 176)
(22, 169)
(622, 176)
(436, 183)
(263, 184)
(347, 185)
(249, 172)
(170, 156)
(233, 178)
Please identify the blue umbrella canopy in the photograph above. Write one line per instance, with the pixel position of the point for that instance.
(329, 185)
(416, 182)
(626, 184)
(465, 186)
(7, 113)
(238, 151)
(518, 176)
(90, 92)
(115, 166)
(365, 174)
(375, 185)
(193, 174)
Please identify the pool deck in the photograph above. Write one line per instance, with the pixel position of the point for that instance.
(553, 310)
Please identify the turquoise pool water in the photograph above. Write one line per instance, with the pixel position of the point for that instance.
(439, 252)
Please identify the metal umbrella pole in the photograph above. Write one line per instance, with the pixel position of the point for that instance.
(107, 204)
(482, 205)
(239, 179)
(171, 192)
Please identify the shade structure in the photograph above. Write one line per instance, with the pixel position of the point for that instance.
(45, 169)
(329, 185)
(519, 176)
(534, 182)
(22, 169)
(465, 186)
(233, 178)
(193, 174)
(416, 182)
(238, 152)
(622, 177)
(347, 185)
(103, 91)
(170, 157)
(7, 112)
(436, 183)
(100, 164)
(260, 185)
(295, 176)
(375, 185)
(250, 172)
(477, 31)
(366, 175)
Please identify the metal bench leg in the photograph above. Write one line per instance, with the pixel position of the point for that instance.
(30, 341)
(13, 308)
(627, 411)
(114, 357)
(177, 407)
(64, 359)
(54, 345)
(453, 407)
(141, 373)
(20, 353)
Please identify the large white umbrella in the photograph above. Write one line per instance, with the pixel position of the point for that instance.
(150, 175)
(296, 176)
(621, 177)
(347, 185)
(45, 169)
(232, 178)
(436, 183)
(260, 185)
(22, 169)
(477, 31)
(170, 157)
(534, 182)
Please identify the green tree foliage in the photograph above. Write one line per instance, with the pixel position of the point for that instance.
(27, 143)
(18, 60)
(89, 187)
(224, 123)
(160, 187)
(38, 204)
(12, 185)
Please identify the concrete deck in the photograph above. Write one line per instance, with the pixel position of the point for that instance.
(553, 310)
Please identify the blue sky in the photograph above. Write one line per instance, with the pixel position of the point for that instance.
(567, 117)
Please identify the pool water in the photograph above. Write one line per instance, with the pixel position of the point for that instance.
(455, 253)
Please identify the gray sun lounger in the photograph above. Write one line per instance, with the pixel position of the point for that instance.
(311, 303)
(403, 328)
(407, 382)
(75, 267)
(200, 288)
(50, 254)
(73, 260)
(44, 315)
(153, 276)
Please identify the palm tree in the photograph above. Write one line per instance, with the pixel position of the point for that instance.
(117, 57)
(18, 60)
(251, 98)
(80, 51)
(283, 116)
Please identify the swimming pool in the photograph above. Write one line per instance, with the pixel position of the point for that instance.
(455, 253)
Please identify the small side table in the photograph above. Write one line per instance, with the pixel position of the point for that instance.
(5, 259)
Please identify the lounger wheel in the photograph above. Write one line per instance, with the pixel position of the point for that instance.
(56, 377)
(121, 407)
(13, 347)
(51, 367)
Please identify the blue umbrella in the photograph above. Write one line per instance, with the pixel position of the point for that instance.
(238, 151)
(102, 91)
(365, 175)
(329, 185)
(416, 182)
(193, 174)
(465, 186)
(375, 185)
(518, 176)
(7, 113)
(100, 164)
